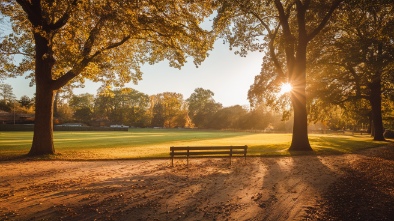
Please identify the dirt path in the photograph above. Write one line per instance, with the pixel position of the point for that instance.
(285, 188)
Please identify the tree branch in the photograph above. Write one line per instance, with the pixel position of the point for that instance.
(301, 10)
(334, 5)
(16, 53)
(272, 35)
(33, 10)
(114, 45)
(273, 55)
(64, 19)
(88, 45)
(288, 37)
(77, 69)
(283, 18)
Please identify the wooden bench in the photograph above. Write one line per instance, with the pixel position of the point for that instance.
(190, 151)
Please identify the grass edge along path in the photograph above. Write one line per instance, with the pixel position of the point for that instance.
(151, 143)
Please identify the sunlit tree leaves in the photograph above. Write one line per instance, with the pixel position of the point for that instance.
(68, 41)
(202, 107)
(283, 30)
(354, 63)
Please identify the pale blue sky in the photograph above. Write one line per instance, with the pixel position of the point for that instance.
(228, 75)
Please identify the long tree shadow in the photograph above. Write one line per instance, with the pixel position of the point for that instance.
(278, 188)
(364, 192)
(209, 189)
(291, 186)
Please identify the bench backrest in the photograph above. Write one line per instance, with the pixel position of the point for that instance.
(209, 148)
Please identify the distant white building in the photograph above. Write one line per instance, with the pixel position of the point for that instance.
(71, 125)
(119, 126)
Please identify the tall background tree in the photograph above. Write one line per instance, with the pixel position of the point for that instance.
(353, 61)
(137, 109)
(67, 41)
(202, 107)
(83, 107)
(168, 110)
(6, 93)
(7, 97)
(283, 29)
(26, 102)
(228, 118)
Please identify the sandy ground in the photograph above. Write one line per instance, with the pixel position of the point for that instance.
(281, 188)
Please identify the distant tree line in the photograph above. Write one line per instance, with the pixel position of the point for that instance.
(133, 108)
(170, 110)
(164, 110)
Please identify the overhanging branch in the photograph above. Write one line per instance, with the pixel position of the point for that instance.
(323, 23)
(77, 69)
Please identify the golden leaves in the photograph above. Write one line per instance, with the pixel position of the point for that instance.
(109, 40)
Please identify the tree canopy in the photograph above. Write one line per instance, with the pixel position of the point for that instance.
(336, 55)
(202, 107)
(85, 37)
(283, 30)
(353, 61)
(69, 41)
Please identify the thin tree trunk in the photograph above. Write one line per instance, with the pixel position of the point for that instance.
(372, 129)
(376, 104)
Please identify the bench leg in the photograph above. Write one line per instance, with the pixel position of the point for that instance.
(172, 158)
(231, 154)
(188, 157)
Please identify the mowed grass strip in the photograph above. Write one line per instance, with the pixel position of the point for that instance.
(155, 143)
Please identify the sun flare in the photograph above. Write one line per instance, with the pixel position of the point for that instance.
(285, 88)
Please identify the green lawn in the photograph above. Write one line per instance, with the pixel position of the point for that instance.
(153, 143)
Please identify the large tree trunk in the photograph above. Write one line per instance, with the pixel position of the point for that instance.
(376, 105)
(300, 141)
(43, 123)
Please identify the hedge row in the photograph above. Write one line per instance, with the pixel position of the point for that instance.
(30, 127)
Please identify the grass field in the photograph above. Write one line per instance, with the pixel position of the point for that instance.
(155, 143)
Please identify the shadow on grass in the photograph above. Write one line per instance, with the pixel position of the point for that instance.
(322, 145)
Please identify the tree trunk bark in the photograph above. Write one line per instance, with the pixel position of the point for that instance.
(43, 122)
(376, 105)
(55, 104)
(369, 130)
(300, 140)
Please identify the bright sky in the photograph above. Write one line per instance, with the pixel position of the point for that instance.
(227, 75)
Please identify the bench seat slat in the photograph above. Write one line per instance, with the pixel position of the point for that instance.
(208, 148)
(208, 153)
